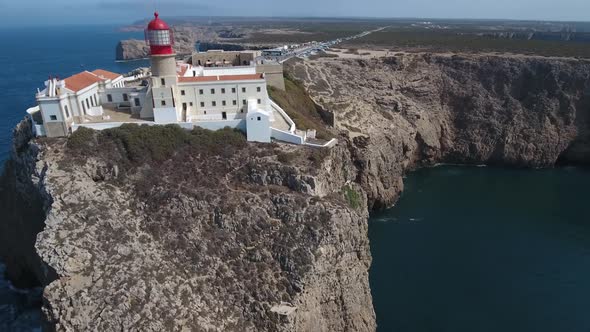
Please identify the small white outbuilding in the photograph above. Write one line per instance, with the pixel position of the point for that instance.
(257, 123)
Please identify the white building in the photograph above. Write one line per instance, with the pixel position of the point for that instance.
(212, 98)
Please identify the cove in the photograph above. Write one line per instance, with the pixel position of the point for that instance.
(484, 249)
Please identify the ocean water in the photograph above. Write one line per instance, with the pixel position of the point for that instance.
(27, 58)
(29, 55)
(471, 249)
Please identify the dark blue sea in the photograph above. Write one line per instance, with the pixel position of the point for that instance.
(471, 249)
(27, 57)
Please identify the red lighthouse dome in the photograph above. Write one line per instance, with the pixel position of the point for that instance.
(159, 37)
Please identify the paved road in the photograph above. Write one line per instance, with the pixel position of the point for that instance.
(307, 50)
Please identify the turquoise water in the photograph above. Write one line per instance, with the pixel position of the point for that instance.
(484, 249)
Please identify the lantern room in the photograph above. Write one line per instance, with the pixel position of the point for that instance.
(159, 37)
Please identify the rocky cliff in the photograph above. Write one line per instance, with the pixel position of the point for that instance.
(409, 110)
(208, 233)
(201, 232)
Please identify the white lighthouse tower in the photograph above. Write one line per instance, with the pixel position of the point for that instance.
(160, 39)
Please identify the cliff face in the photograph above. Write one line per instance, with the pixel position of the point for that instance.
(409, 110)
(229, 240)
(224, 235)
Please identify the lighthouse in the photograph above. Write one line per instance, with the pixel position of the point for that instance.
(164, 81)
(160, 39)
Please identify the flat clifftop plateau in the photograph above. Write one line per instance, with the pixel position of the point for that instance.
(407, 110)
(161, 229)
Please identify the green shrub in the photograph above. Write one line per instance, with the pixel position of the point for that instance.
(138, 144)
(143, 143)
(82, 139)
(352, 197)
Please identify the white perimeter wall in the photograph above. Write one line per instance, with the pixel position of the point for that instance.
(165, 115)
(286, 136)
(211, 125)
(227, 71)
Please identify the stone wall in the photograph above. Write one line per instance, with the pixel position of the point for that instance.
(273, 74)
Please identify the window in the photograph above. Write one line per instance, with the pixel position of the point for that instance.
(53, 117)
(184, 106)
(125, 97)
(182, 93)
(110, 98)
(162, 81)
(222, 90)
(202, 104)
(95, 101)
(234, 102)
(212, 91)
(213, 104)
(258, 89)
(67, 111)
(204, 112)
(200, 91)
(191, 103)
(137, 102)
(243, 101)
(259, 119)
(163, 103)
(233, 90)
(158, 37)
(194, 72)
(259, 101)
(223, 103)
(224, 115)
(87, 103)
(242, 110)
(243, 89)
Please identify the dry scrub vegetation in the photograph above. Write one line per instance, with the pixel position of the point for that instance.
(300, 107)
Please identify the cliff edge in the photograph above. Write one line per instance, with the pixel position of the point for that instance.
(418, 109)
(160, 229)
(155, 228)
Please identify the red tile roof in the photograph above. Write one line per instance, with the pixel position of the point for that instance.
(220, 78)
(80, 81)
(85, 79)
(106, 74)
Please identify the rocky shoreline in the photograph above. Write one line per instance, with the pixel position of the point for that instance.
(274, 238)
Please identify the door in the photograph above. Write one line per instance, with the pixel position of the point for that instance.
(224, 115)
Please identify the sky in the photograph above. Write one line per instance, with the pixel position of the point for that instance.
(57, 12)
